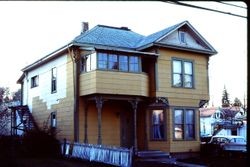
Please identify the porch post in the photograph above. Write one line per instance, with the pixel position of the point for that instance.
(99, 104)
(85, 122)
(134, 104)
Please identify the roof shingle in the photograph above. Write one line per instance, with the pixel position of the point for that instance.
(110, 36)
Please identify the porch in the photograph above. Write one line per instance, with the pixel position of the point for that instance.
(113, 120)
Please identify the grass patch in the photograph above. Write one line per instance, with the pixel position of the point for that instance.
(49, 162)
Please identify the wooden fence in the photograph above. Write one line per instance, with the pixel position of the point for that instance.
(117, 156)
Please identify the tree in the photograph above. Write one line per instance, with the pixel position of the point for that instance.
(225, 98)
(16, 96)
(237, 102)
(4, 95)
(4, 121)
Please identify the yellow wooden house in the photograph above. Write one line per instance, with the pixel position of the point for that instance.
(112, 86)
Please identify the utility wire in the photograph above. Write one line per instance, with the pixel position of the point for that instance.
(231, 4)
(199, 7)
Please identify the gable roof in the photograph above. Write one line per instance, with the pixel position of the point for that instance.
(158, 35)
(125, 38)
(155, 39)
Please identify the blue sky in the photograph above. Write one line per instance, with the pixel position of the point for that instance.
(31, 30)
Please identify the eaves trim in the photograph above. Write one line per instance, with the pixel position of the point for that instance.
(46, 58)
(186, 49)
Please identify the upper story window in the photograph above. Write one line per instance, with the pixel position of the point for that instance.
(184, 124)
(134, 64)
(123, 63)
(53, 80)
(182, 73)
(112, 62)
(34, 81)
(102, 60)
(182, 37)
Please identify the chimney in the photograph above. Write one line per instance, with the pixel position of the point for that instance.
(85, 27)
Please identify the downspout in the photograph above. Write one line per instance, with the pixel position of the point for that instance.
(21, 100)
(27, 88)
(75, 57)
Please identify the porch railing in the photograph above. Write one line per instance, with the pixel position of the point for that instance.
(117, 156)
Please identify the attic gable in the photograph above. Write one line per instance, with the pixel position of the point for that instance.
(180, 36)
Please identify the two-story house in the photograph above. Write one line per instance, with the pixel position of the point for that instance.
(113, 86)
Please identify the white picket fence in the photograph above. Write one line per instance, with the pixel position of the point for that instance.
(117, 156)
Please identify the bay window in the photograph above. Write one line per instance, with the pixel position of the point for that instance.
(111, 62)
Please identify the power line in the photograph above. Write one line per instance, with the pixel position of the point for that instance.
(231, 4)
(199, 7)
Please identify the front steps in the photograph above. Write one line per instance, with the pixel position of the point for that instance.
(151, 157)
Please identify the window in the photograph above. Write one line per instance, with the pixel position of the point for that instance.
(184, 124)
(88, 62)
(113, 62)
(133, 64)
(177, 73)
(157, 130)
(53, 120)
(182, 73)
(102, 60)
(53, 80)
(118, 62)
(34, 81)
(182, 37)
(123, 63)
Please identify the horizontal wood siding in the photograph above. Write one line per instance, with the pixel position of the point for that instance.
(64, 109)
(170, 144)
(110, 124)
(178, 96)
(109, 82)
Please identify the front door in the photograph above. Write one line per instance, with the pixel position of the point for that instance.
(127, 129)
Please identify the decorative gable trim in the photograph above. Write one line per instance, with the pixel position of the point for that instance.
(208, 49)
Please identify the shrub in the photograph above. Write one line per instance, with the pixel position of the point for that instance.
(38, 143)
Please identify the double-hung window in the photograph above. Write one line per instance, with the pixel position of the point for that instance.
(184, 124)
(53, 120)
(53, 80)
(182, 73)
(34, 81)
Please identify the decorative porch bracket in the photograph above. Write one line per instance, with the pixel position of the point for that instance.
(202, 103)
(134, 104)
(99, 103)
